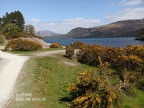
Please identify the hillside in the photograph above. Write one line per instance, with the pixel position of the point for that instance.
(141, 35)
(46, 33)
(125, 28)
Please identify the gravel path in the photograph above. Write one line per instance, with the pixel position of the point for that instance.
(10, 67)
(47, 53)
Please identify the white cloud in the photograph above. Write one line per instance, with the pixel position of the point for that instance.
(131, 2)
(35, 20)
(65, 25)
(126, 14)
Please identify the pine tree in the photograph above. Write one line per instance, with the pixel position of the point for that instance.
(15, 18)
(19, 20)
(11, 31)
(0, 23)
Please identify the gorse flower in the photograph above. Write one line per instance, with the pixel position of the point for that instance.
(93, 90)
(22, 45)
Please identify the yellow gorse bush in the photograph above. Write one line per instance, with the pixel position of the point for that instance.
(56, 45)
(131, 56)
(94, 90)
(22, 45)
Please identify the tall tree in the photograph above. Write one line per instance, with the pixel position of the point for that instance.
(29, 29)
(15, 18)
(5, 19)
(19, 20)
(0, 23)
(11, 31)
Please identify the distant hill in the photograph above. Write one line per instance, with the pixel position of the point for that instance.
(125, 28)
(46, 33)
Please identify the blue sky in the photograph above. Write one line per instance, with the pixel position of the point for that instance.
(61, 16)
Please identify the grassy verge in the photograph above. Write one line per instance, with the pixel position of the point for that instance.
(46, 78)
(30, 52)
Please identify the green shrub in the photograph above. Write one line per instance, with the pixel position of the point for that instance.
(22, 45)
(56, 45)
(1, 32)
(1, 40)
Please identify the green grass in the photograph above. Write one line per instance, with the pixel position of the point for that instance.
(136, 101)
(46, 77)
(30, 52)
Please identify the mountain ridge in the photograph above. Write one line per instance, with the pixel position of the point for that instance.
(124, 28)
(46, 33)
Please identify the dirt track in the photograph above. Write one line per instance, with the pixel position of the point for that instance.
(10, 67)
(46, 53)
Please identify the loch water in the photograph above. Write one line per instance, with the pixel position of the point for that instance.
(115, 42)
